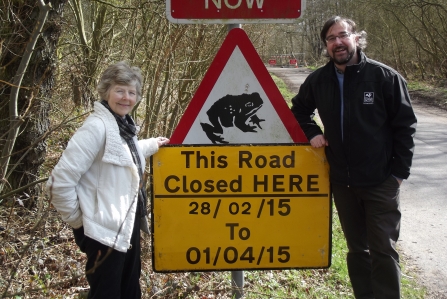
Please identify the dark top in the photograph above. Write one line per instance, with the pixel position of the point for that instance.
(378, 121)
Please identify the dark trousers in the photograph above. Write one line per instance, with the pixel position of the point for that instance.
(370, 219)
(118, 276)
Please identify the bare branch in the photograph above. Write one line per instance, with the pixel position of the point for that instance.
(17, 81)
(12, 85)
(116, 6)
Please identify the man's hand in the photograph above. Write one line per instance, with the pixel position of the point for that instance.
(319, 141)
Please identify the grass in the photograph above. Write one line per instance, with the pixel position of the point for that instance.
(52, 267)
(40, 259)
(319, 283)
(434, 94)
(331, 283)
(416, 85)
(286, 93)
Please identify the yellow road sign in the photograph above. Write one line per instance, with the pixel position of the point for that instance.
(240, 207)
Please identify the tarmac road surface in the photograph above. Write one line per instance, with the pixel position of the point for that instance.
(424, 201)
(423, 238)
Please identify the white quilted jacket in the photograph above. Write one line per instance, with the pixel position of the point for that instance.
(95, 183)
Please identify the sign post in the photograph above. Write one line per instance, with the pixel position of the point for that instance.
(227, 110)
(237, 277)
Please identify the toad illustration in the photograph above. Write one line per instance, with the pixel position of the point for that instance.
(232, 111)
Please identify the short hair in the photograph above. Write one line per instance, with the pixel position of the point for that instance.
(119, 73)
(337, 19)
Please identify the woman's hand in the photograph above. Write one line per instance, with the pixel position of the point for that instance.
(162, 141)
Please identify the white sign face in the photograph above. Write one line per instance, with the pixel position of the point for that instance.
(239, 108)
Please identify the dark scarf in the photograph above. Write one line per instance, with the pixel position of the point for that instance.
(128, 130)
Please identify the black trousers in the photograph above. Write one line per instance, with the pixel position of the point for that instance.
(118, 276)
(370, 219)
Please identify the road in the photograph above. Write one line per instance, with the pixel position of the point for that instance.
(424, 201)
(423, 238)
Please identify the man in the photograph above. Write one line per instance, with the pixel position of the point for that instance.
(369, 126)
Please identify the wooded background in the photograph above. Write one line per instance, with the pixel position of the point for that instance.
(80, 38)
(53, 51)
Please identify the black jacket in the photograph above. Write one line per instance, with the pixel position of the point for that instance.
(378, 123)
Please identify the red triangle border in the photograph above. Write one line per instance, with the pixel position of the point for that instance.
(237, 37)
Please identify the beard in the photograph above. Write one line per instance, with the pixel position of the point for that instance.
(345, 60)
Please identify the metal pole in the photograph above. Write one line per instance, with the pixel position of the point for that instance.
(237, 282)
(237, 277)
(231, 26)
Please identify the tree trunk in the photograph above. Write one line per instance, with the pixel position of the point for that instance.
(33, 107)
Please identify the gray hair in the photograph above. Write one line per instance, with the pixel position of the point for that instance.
(337, 19)
(119, 73)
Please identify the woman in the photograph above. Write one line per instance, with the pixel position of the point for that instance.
(98, 188)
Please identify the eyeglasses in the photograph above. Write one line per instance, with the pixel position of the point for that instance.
(342, 36)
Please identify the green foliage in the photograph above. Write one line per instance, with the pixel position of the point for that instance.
(410, 287)
(313, 67)
(318, 283)
(418, 85)
(283, 90)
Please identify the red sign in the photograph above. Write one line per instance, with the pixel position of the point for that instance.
(237, 102)
(233, 11)
(272, 61)
(293, 62)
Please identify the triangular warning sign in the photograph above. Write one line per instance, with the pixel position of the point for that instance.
(237, 102)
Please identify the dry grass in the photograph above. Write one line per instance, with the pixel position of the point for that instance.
(41, 260)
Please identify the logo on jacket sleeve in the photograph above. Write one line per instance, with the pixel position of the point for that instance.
(368, 98)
